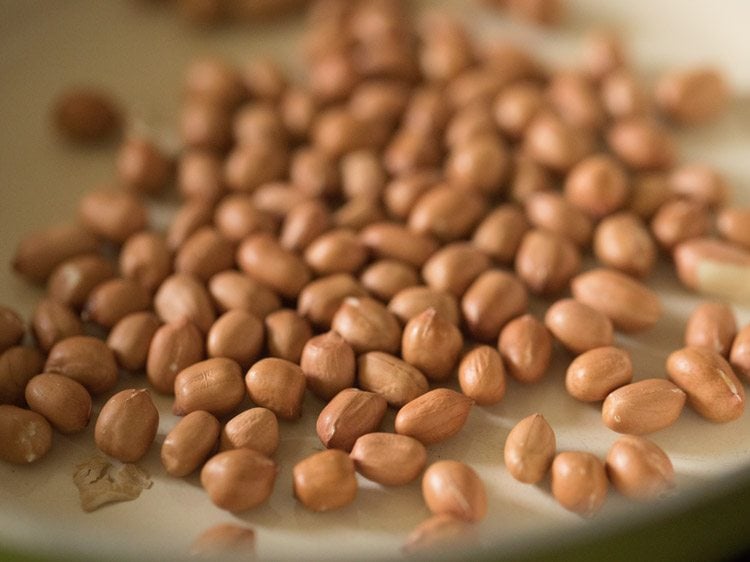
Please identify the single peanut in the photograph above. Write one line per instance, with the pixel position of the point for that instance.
(25, 436)
(277, 384)
(452, 487)
(739, 356)
(130, 339)
(546, 261)
(710, 265)
(329, 364)
(692, 96)
(434, 416)
(237, 335)
(65, 403)
(643, 407)
(525, 346)
(349, 415)
(394, 379)
(529, 449)
(17, 365)
(325, 480)
(41, 251)
(174, 346)
(481, 375)
(182, 296)
(596, 373)
(255, 428)
(86, 360)
(638, 468)
(388, 458)
(232, 289)
(367, 325)
(712, 325)
(239, 479)
(492, 300)
(52, 322)
(623, 242)
(214, 385)
(189, 443)
(286, 334)
(577, 326)
(127, 424)
(579, 482)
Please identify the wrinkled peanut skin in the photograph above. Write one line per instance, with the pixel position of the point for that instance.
(256, 428)
(214, 385)
(349, 415)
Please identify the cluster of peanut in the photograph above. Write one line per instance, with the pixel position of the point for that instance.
(367, 237)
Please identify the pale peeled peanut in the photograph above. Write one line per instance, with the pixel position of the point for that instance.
(394, 379)
(86, 360)
(17, 365)
(232, 289)
(367, 325)
(286, 334)
(638, 468)
(263, 259)
(631, 305)
(12, 329)
(349, 415)
(325, 481)
(438, 532)
(277, 384)
(739, 356)
(597, 372)
(481, 375)
(72, 281)
(127, 424)
(214, 385)
(183, 296)
(412, 301)
(623, 242)
(114, 215)
(388, 458)
(499, 234)
(577, 326)
(25, 436)
(65, 403)
(579, 482)
(174, 346)
(454, 488)
(692, 96)
(434, 416)
(329, 364)
(529, 449)
(320, 299)
(224, 538)
(255, 428)
(643, 407)
(710, 265)
(432, 344)
(52, 322)
(130, 339)
(236, 334)
(492, 300)
(189, 443)
(525, 346)
(712, 388)
(239, 479)
(712, 325)
(146, 258)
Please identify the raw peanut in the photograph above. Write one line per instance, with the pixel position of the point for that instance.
(262, 77)
(438, 532)
(248, 167)
(17, 365)
(329, 365)
(551, 211)
(495, 298)
(72, 281)
(63, 402)
(623, 95)
(454, 267)
(379, 99)
(552, 142)
(692, 96)
(52, 322)
(572, 94)
(739, 356)
(700, 183)
(467, 124)
(598, 185)
(182, 296)
(115, 299)
(427, 111)
(480, 164)
(394, 379)
(546, 261)
(410, 302)
(204, 253)
(403, 191)
(447, 213)
(25, 436)
(712, 388)
(529, 449)
(712, 325)
(337, 251)
(319, 300)
(277, 384)
(733, 224)
(579, 482)
(388, 458)
(358, 213)
(474, 86)
(86, 360)
(112, 215)
(214, 385)
(145, 258)
(335, 131)
(649, 192)
(189, 443)
(199, 176)
(277, 199)
(434, 416)
(529, 177)
(525, 346)
(385, 278)
(578, 326)
(304, 223)
(498, 235)
(603, 53)
(286, 334)
(239, 479)
(325, 481)
(214, 80)
(258, 123)
(709, 265)
(643, 407)
(224, 538)
(263, 259)
(41, 251)
(188, 218)
(396, 241)
(236, 334)
(127, 424)
(642, 144)
(234, 290)
(130, 339)
(596, 373)
(86, 115)
(312, 171)
(256, 429)
(432, 344)
(236, 218)
(680, 220)
(481, 375)
(174, 346)
(630, 305)
(454, 488)
(11, 328)
(638, 468)
(349, 415)
(516, 106)
(623, 242)
(367, 325)
(142, 167)
(362, 175)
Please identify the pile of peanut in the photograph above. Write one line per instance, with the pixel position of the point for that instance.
(374, 236)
